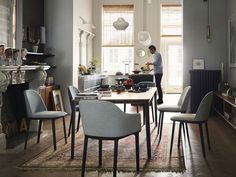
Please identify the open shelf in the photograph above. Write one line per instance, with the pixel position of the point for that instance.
(223, 105)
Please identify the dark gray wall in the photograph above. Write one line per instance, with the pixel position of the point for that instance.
(194, 34)
(231, 11)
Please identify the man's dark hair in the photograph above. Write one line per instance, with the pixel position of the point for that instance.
(152, 47)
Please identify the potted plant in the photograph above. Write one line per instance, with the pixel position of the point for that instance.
(35, 45)
(93, 64)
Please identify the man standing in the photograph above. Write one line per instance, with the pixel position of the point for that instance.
(158, 71)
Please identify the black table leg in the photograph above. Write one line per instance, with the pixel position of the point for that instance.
(148, 130)
(73, 131)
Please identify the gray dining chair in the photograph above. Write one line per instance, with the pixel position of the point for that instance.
(105, 121)
(199, 118)
(180, 107)
(36, 110)
(72, 92)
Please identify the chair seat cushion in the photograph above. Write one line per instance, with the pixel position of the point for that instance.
(49, 114)
(184, 117)
(169, 108)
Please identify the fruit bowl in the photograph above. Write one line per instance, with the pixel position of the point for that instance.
(136, 71)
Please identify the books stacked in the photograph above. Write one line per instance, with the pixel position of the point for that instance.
(87, 96)
(105, 93)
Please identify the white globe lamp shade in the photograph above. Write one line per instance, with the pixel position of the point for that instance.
(144, 38)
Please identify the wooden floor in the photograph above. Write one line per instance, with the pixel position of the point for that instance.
(219, 162)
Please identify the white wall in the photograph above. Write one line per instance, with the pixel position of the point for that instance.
(231, 10)
(62, 23)
(194, 34)
(59, 25)
(81, 8)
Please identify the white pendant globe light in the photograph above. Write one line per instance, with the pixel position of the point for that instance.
(120, 24)
(144, 38)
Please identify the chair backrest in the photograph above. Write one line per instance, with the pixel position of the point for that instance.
(204, 107)
(105, 119)
(148, 83)
(72, 92)
(184, 99)
(33, 102)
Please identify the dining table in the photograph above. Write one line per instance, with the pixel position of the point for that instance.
(126, 97)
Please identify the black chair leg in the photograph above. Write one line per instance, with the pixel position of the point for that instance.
(84, 155)
(124, 107)
(137, 151)
(172, 137)
(70, 125)
(39, 130)
(180, 127)
(64, 129)
(115, 157)
(100, 153)
(159, 122)
(161, 125)
(202, 140)
(184, 130)
(144, 116)
(137, 108)
(186, 126)
(27, 133)
(208, 138)
(54, 134)
(156, 121)
(78, 123)
(152, 112)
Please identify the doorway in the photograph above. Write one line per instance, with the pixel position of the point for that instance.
(171, 47)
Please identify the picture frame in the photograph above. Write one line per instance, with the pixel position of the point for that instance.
(232, 41)
(57, 100)
(198, 63)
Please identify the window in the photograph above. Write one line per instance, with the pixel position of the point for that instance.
(117, 46)
(171, 20)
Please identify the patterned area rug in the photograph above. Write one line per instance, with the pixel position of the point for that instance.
(160, 161)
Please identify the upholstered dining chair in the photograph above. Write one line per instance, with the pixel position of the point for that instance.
(36, 110)
(105, 121)
(199, 118)
(181, 107)
(72, 92)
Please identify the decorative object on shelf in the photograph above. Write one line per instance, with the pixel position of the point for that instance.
(82, 69)
(144, 38)
(15, 56)
(93, 65)
(35, 46)
(23, 55)
(9, 55)
(198, 63)
(2, 54)
(120, 24)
